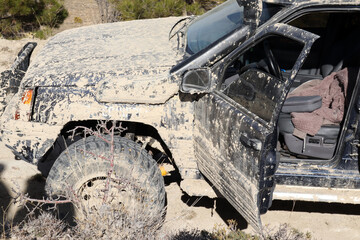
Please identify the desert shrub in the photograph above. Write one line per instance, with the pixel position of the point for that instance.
(285, 231)
(44, 226)
(19, 16)
(140, 9)
(78, 20)
(43, 33)
(207, 4)
(193, 234)
(110, 223)
(231, 232)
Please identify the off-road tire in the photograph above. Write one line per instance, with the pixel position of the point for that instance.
(86, 163)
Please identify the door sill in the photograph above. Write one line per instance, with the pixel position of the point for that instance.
(317, 194)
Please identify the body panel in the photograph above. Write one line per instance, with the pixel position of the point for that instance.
(117, 56)
(172, 120)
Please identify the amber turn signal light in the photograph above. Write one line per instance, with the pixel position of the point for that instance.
(27, 96)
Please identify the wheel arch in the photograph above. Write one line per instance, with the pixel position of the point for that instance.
(69, 134)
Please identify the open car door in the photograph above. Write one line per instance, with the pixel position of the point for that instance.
(236, 124)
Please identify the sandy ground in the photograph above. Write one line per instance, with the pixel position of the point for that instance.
(10, 48)
(81, 13)
(323, 221)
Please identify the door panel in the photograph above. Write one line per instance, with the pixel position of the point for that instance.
(229, 165)
(235, 136)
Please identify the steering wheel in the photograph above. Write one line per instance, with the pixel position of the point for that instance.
(273, 65)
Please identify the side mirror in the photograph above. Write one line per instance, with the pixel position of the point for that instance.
(196, 81)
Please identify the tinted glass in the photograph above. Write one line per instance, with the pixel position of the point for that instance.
(249, 82)
(219, 22)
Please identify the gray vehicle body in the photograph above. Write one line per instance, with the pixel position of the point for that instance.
(102, 80)
(118, 72)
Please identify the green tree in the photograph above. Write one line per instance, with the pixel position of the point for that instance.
(19, 16)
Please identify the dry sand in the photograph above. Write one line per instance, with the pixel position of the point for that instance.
(323, 221)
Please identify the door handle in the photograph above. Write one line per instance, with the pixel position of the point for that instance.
(250, 142)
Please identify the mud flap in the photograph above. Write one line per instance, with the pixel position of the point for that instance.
(10, 79)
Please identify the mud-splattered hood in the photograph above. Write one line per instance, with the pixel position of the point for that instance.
(133, 56)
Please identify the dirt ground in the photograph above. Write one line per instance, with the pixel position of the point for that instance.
(322, 220)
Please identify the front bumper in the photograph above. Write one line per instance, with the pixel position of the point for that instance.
(28, 140)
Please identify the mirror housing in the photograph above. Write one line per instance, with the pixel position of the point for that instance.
(196, 81)
(252, 13)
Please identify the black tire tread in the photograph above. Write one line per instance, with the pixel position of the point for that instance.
(84, 158)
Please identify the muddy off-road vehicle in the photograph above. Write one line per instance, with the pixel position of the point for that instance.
(245, 96)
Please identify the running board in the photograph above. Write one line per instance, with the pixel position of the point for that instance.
(317, 194)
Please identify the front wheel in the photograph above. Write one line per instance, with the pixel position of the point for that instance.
(119, 176)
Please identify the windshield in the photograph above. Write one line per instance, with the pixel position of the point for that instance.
(219, 22)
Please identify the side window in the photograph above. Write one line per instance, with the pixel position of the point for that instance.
(315, 22)
(338, 44)
(255, 78)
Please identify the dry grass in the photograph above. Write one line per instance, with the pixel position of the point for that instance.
(111, 220)
(45, 226)
(105, 222)
(109, 224)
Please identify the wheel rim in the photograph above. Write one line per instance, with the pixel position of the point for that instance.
(98, 191)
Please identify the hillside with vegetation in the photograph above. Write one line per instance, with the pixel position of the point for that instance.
(38, 16)
(42, 18)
